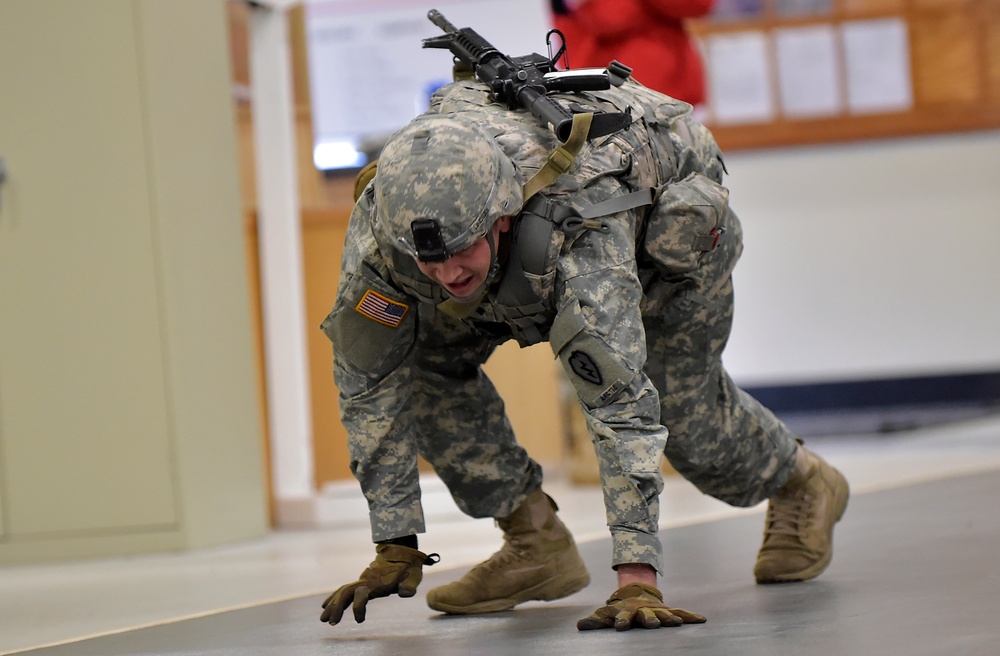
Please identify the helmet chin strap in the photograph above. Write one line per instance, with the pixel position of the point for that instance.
(494, 269)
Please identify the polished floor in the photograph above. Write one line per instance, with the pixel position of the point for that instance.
(915, 572)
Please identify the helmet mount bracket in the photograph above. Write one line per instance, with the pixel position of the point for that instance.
(427, 240)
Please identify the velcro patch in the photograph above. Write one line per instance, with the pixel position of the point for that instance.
(584, 366)
(381, 309)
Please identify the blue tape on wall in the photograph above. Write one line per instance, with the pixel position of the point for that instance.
(882, 405)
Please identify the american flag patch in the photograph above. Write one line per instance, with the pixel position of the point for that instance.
(381, 309)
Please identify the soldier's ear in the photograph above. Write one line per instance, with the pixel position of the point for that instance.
(504, 223)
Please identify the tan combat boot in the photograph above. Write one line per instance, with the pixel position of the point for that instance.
(798, 535)
(538, 561)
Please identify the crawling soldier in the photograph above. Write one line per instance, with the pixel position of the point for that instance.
(618, 251)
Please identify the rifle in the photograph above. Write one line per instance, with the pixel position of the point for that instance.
(524, 81)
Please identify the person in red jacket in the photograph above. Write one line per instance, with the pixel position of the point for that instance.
(647, 35)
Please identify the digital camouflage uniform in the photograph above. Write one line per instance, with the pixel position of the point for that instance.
(636, 304)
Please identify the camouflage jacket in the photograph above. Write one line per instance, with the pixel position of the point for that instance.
(585, 292)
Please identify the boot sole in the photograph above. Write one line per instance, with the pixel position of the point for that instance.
(538, 593)
(817, 568)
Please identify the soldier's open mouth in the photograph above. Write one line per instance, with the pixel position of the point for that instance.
(462, 288)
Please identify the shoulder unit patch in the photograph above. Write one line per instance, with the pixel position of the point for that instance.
(584, 366)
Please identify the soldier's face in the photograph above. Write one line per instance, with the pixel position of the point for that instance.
(465, 271)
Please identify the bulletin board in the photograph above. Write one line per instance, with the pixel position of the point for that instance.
(779, 72)
(369, 75)
(787, 72)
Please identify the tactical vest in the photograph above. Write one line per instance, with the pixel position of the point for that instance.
(663, 145)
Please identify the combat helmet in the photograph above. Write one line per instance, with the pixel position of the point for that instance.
(442, 182)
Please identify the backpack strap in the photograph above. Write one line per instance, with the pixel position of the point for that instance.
(561, 158)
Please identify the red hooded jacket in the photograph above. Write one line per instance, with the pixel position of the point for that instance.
(647, 35)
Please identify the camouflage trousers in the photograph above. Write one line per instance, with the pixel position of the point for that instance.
(720, 438)
(486, 470)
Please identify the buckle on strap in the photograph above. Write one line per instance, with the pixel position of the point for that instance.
(706, 243)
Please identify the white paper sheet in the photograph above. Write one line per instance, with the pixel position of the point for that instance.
(877, 62)
(740, 89)
(808, 71)
(369, 74)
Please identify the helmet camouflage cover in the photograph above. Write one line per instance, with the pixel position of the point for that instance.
(442, 183)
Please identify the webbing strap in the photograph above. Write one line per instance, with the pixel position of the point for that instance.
(562, 157)
(457, 310)
(617, 204)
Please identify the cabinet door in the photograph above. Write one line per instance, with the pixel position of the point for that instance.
(84, 434)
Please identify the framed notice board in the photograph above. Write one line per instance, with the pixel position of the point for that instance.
(786, 72)
(369, 75)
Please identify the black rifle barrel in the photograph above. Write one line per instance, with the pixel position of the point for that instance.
(438, 19)
(522, 80)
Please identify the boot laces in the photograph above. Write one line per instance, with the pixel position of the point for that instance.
(786, 515)
(510, 554)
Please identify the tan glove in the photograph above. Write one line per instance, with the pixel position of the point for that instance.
(396, 569)
(638, 605)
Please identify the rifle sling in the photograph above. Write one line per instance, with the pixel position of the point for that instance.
(562, 157)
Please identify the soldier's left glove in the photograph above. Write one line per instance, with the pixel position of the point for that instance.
(637, 605)
(396, 569)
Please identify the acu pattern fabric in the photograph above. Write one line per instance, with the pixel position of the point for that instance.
(637, 305)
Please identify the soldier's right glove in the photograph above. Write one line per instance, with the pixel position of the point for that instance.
(637, 605)
(395, 570)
